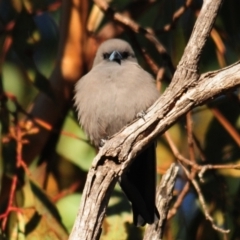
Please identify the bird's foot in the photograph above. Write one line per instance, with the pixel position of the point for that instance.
(141, 115)
(102, 142)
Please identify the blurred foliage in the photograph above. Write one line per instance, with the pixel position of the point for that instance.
(48, 191)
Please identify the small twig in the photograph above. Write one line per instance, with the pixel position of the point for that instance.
(220, 47)
(157, 70)
(66, 192)
(178, 13)
(10, 206)
(199, 148)
(190, 136)
(179, 200)
(40, 122)
(17, 134)
(203, 203)
(209, 167)
(7, 42)
(151, 63)
(163, 198)
(177, 154)
(194, 165)
(49, 8)
(181, 196)
(48, 127)
(135, 27)
(160, 77)
(227, 125)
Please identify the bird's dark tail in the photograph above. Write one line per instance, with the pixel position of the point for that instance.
(139, 185)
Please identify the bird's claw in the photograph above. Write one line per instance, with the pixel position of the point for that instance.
(141, 115)
(102, 142)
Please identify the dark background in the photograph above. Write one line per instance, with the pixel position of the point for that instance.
(39, 65)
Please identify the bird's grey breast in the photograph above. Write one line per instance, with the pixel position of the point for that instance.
(111, 95)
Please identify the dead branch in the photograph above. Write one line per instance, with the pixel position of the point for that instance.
(203, 203)
(201, 168)
(178, 13)
(130, 141)
(163, 197)
(135, 27)
(186, 91)
(190, 136)
(227, 125)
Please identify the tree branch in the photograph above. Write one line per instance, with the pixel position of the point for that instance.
(185, 92)
(164, 195)
(135, 27)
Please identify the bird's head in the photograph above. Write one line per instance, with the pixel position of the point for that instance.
(114, 50)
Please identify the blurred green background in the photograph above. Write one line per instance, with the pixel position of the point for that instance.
(48, 190)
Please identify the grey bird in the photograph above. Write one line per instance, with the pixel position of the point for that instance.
(109, 97)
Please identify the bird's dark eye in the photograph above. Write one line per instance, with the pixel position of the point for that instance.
(125, 54)
(106, 55)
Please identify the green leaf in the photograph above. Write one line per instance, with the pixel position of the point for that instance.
(45, 223)
(68, 208)
(78, 151)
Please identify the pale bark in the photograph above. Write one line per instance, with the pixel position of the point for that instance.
(187, 90)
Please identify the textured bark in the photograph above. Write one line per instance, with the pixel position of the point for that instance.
(163, 197)
(117, 153)
(186, 91)
(104, 180)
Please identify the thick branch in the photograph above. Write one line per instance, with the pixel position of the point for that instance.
(100, 186)
(130, 141)
(157, 121)
(201, 31)
(184, 93)
(164, 196)
(187, 71)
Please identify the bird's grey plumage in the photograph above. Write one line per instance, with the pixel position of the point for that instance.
(109, 97)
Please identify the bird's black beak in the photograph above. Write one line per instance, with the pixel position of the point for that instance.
(116, 56)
